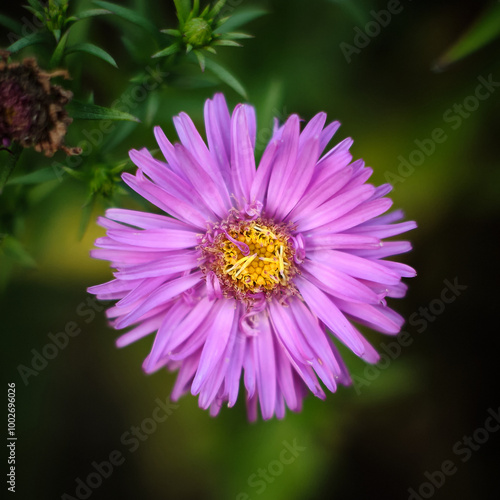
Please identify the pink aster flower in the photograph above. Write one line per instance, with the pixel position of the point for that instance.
(256, 273)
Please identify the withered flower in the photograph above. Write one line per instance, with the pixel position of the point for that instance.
(32, 110)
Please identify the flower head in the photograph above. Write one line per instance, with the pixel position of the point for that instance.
(257, 272)
(32, 110)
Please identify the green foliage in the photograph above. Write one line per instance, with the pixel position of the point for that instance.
(483, 31)
(85, 111)
(55, 32)
(131, 16)
(200, 32)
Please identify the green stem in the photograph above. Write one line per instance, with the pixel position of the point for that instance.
(9, 166)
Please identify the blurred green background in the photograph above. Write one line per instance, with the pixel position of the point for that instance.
(376, 440)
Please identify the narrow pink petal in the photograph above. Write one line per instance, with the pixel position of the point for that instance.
(335, 208)
(261, 180)
(203, 313)
(185, 376)
(387, 249)
(286, 157)
(288, 333)
(161, 296)
(401, 269)
(163, 239)
(197, 148)
(118, 257)
(142, 330)
(341, 241)
(300, 176)
(168, 152)
(360, 214)
(312, 129)
(325, 363)
(168, 203)
(144, 288)
(384, 231)
(182, 189)
(338, 283)
(112, 287)
(242, 155)
(325, 187)
(265, 367)
(285, 378)
(216, 343)
(249, 366)
(217, 126)
(357, 267)
(327, 134)
(380, 318)
(213, 385)
(174, 262)
(328, 312)
(233, 375)
(146, 220)
(211, 193)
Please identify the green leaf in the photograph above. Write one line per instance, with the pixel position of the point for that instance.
(37, 177)
(14, 249)
(228, 43)
(92, 49)
(225, 76)
(183, 8)
(171, 49)
(28, 40)
(36, 13)
(201, 59)
(240, 18)
(216, 9)
(58, 54)
(36, 5)
(10, 24)
(91, 13)
(131, 16)
(172, 32)
(235, 36)
(483, 31)
(82, 111)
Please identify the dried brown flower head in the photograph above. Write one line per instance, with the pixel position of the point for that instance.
(32, 110)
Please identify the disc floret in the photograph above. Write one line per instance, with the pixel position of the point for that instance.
(250, 258)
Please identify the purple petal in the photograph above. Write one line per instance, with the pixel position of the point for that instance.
(328, 312)
(171, 205)
(265, 367)
(161, 296)
(164, 239)
(216, 343)
(242, 154)
(335, 208)
(286, 157)
(338, 283)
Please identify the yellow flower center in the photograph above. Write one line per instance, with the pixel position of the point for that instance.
(266, 264)
(250, 258)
